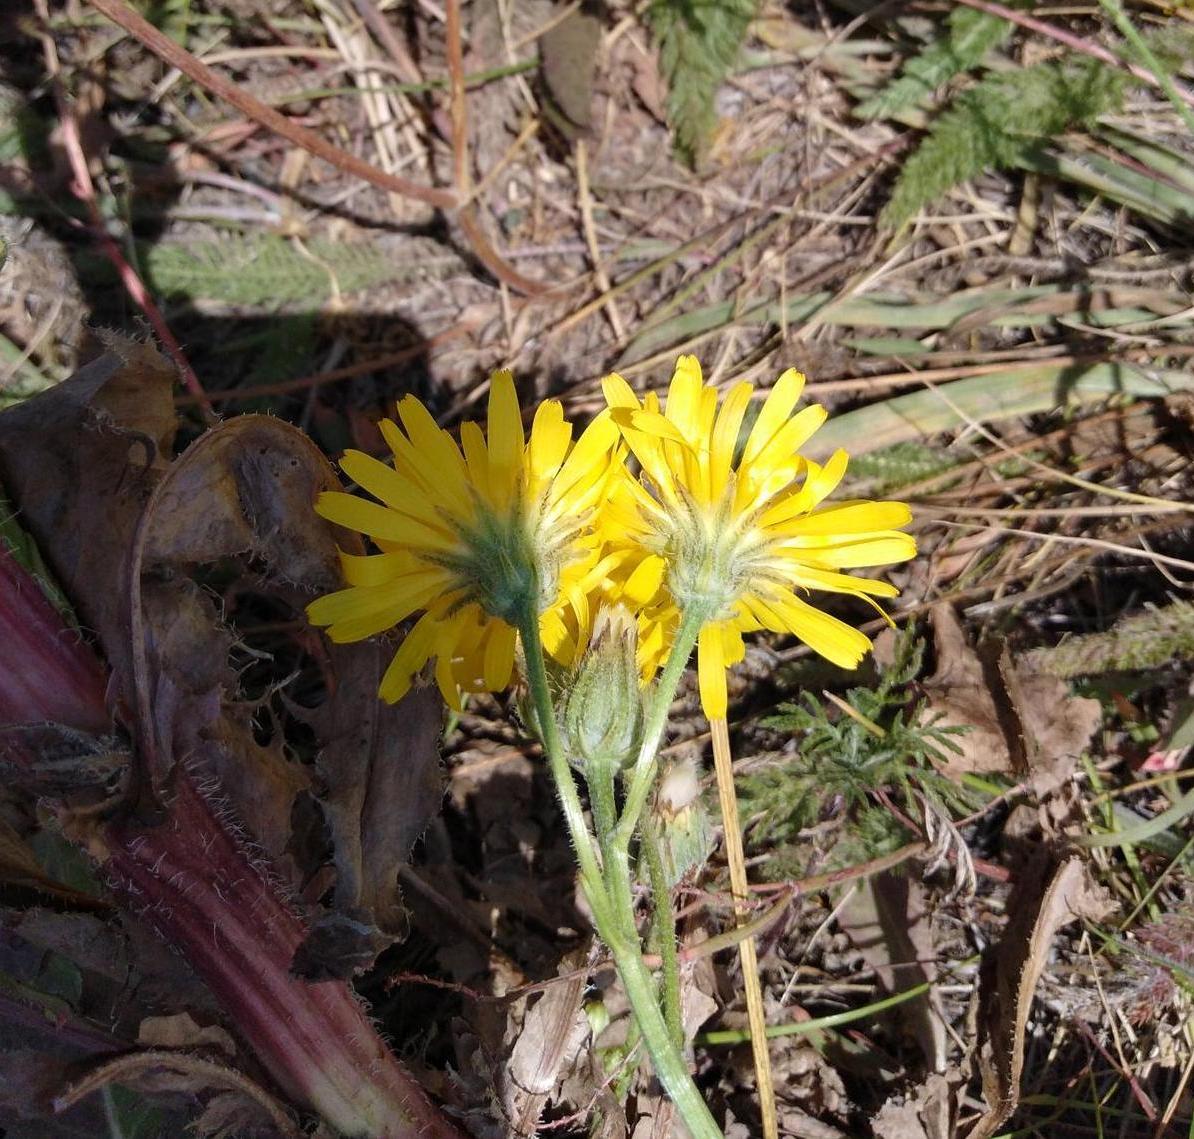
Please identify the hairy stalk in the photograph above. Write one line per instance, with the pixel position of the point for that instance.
(561, 773)
(642, 774)
(663, 920)
(613, 914)
(599, 778)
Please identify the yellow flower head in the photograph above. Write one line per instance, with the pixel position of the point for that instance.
(734, 530)
(472, 535)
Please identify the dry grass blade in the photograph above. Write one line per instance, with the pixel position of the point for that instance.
(162, 46)
(747, 956)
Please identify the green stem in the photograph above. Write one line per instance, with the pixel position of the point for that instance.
(663, 919)
(614, 916)
(561, 773)
(1148, 58)
(642, 775)
(599, 778)
(670, 1065)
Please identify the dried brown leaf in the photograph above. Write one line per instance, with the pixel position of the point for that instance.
(1049, 894)
(80, 460)
(246, 488)
(552, 1036)
(381, 771)
(930, 1112)
(182, 1031)
(1019, 722)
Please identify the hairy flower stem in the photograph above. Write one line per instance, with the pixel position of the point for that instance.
(641, 778)
(613, 909)
(188, 876)
(663, 922)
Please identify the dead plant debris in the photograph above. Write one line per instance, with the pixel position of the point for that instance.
(216, 845)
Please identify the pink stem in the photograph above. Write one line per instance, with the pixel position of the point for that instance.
(200, 886)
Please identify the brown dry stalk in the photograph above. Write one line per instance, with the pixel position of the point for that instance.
(348, 372)
(166, 49)
(208, 1072)
(459, 109)
(84, 190)
(724, 766)
(1081, 44)
(170, 52)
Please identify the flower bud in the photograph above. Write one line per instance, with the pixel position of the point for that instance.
(682, 823)
(603, 708)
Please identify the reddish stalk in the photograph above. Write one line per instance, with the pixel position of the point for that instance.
(192, 879)
(170, 52)
(84, 189)
(1074, 42)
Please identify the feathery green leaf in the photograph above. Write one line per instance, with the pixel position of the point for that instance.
(971, 35)
(698, 45)
(998, 121)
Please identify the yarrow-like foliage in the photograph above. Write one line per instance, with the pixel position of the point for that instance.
(469, 534)
(735, 529)
(724, 529)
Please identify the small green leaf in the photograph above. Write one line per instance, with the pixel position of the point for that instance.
(971, 35)
(996, 123)
(698, 45)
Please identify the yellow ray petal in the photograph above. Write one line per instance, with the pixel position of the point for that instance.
(380, 521)
(618, 393)
(848, 518)
(836, 641)
(879, 549)
(644, 582)
(724, 440)
(359, 611)
(812, 577)
(774, 413)
(711, 672)
(789, 438)
(394, 489)
(506, 440)
(592, 448)
(499, 656)
(656, 426)
(819, 482)
(684, 398)
(376, 569)
(733, 648)
(412, 654)
(476, 456)
(550, 436)
(435, 451)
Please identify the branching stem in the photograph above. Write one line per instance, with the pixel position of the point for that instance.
(610, 896)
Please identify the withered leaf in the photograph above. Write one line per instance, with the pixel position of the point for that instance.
(569, 59)
(339, 945)
(247, 488)
(1018, 721)
(181, 1030)
(552, 1035)
(929, 1112)
(381, 770)
(80, 460)
(1049, 894)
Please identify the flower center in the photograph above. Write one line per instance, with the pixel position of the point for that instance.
(704, 550)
